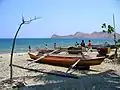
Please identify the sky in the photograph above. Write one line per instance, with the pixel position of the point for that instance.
(61, 17)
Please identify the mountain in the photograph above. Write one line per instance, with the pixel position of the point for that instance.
(87, 35)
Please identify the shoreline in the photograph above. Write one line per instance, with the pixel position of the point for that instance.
(14, 53)
(20, 50)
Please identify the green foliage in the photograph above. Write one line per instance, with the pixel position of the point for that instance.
(108, 29)
(118, 40)
(118, 43)
(104, 25)
(104, 31)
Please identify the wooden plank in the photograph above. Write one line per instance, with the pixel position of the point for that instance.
(74, 64)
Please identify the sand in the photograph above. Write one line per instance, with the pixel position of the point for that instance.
(100, 77)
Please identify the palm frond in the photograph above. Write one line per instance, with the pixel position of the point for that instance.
(110, 29)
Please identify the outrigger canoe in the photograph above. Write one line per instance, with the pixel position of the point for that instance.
(67, 61)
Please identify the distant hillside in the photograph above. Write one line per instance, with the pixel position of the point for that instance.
(87, 35)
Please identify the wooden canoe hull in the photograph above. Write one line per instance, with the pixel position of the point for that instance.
(68, 61)
(33, 56)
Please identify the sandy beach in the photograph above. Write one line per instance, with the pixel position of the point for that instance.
(100, 77)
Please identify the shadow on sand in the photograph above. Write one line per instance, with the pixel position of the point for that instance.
(107, 80)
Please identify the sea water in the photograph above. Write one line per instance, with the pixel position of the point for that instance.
(22, 44)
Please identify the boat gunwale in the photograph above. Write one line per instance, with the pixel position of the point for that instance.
(66, 57)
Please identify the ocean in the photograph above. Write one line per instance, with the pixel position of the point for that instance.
(23, 43)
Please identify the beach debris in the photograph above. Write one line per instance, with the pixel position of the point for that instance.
(1, 56)
(16, 83)
(111, 56)
(20, 54)
(20, 82)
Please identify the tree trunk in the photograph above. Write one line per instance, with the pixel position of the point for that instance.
(13, 45)
(11, 58)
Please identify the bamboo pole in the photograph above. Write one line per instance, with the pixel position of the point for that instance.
(114, 29)
(115, 41)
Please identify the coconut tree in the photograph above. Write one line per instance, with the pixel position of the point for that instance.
(111, 30)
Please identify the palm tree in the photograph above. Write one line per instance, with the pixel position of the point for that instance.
(109, 29)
